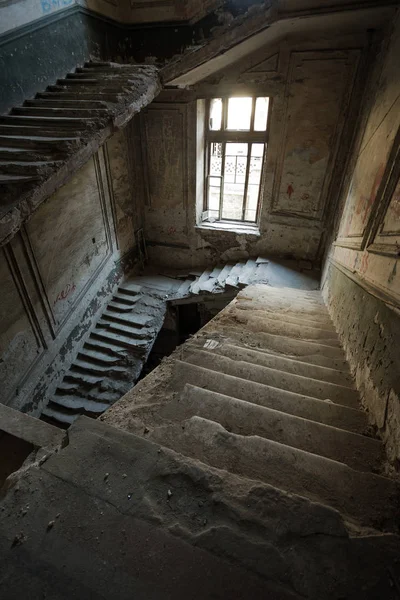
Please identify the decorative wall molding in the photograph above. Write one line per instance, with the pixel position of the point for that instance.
(55, 324)
(292, 196)
(164, 148)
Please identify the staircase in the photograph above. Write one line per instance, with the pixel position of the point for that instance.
(112, 358)
(263, 392)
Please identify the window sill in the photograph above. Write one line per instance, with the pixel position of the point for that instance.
(244, 228)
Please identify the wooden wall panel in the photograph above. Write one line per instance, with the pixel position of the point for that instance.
(315, 93)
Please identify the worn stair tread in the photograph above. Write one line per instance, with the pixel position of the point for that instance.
(59, 413)
(119, 340)
(247, 272)
(128, 330)
(281, 363)
(245, 418)
(279, 379)
(222, 277)
(291, 318)
(335, 415)
(135, 319)
(233, 278)
(77, 403)
(366, 498)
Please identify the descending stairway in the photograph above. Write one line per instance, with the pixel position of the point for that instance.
(112, 358)
(264, 392)
(52, 135)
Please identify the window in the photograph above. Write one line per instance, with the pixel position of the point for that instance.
(236, 142)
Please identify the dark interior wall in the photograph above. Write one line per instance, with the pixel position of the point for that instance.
(57, 273)
(362, 277)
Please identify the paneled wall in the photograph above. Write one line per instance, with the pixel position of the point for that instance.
(59, 270)
(311, 88)
(362, 278)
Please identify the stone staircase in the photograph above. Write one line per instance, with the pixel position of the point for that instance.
(263, 392)
(112, 358)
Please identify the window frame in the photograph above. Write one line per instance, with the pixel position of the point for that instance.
(224, 136)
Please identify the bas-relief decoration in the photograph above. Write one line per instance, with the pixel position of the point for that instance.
(315, 95)
(164, 150)
(20, 344)
(70, 240)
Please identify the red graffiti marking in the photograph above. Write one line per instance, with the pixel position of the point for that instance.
(172, 230)
(305, 196)
(290, 190)
(69, 288)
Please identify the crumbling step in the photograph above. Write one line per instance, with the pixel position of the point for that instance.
(104, 349)
(62, 94)
(311, 352)
(49, 122)
(280, 363)
(128, 330)
(78, 403)
(292, 318)
(271, 377)
(247, 272)
(224, 274)
(315, 319)
(233, 278)
(54, 103)
(87, 365)
(28, 168)
(61, 112)
(366, 498)
(59, 414)
(39, 142)
(246, 418)
(306, 407)
(121, 341)
(303, 332)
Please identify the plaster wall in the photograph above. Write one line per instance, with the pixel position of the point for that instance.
(311, 86)
(361, 280)
(58, 272)
(20, 12)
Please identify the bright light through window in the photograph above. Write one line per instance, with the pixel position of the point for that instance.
(236, 146)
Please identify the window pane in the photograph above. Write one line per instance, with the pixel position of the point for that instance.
(239, 113)
(215, 158)
(261, 114)
(214, 193)
(253, 188)
(234, 180)
(215, 114)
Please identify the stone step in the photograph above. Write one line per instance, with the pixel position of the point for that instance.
(286, 317)
(368, 499)
(137, 320)
(128, 330)
(120, 307)
(104, 349)
(38, 142)
(282, 328)
(60, 93)
(130, 288)
(311, 352)
(245, 418)
(121, 341)
(60, 414)
(28, 168)
(48, 122)
(57, 103)
(125, 299)
(77, 403)
(27, 155)
(256, 527)
(281, 363)
(41, 131)
(7, 179)
(88, 365)
(247, 272)
(271, 377)
(233, 278)
(61, 112)
(319, 318)
(224, 274)
(306, 407)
